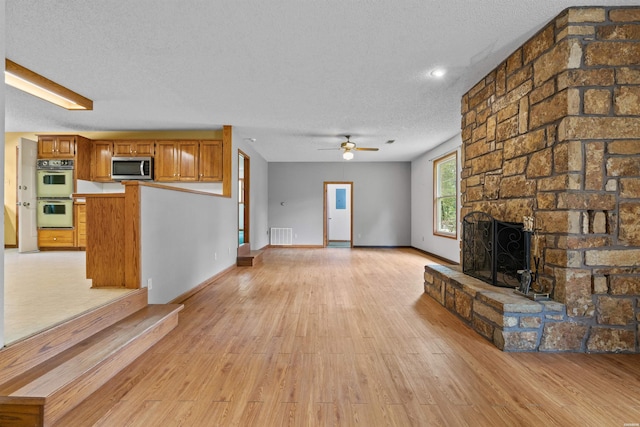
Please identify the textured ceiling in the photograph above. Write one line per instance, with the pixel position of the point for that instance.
(293, 74)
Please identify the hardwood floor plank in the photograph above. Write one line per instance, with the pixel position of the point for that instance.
(313, 337)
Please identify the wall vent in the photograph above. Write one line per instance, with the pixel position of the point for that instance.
(281, 236)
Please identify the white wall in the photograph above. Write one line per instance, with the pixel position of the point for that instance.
(422, 236)
(381, 200)
(2, 90)
(188, 238)
(259, 193)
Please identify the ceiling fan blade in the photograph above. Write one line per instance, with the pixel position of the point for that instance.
(366, 149)
(330, 148)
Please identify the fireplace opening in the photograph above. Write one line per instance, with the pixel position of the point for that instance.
(494, 251)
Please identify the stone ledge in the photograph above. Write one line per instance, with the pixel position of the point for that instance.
(511, 322)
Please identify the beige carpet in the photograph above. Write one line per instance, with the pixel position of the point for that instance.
(42, 289)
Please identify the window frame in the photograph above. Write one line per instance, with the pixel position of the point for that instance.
(437, 229)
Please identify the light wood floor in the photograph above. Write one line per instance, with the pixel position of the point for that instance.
(42, 289)
(341, 337)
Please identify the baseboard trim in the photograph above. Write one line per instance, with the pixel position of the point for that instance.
(10, 246)
(438, 257)
(296, 246)
(382, 247)
(180, 299)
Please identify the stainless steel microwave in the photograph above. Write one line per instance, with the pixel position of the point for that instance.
(126, 168)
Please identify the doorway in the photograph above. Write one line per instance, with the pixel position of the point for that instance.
(244, 184)
(27, 232)
(338, 214)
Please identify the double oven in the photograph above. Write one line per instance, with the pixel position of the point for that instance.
(53, 190)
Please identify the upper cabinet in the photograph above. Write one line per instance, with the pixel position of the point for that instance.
(132, 148)
(55, 146)
(101, 161)
(211, 161)
(68, 147)
(176, 161)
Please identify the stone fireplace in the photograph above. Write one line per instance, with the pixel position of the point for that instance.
(553, 132)
(494, 251)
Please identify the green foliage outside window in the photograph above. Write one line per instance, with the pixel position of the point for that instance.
(446, 195)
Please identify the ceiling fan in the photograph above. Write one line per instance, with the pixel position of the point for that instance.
(348, 147)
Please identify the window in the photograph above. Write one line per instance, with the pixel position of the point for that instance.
(445, 190)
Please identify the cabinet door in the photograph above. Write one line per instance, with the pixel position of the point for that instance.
(101, 161)
(165, 167)
(188, 160)
(65, 146)
(133, 148)
(46, 146)
(81, 225)
(123, 148)
(144, 148)
(211, 161)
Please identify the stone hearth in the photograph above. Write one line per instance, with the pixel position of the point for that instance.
(553, 132)
(510, 321)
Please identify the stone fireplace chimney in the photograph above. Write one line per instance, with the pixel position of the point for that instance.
(554, 132)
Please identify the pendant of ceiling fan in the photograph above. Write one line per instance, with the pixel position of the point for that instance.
(349, 146)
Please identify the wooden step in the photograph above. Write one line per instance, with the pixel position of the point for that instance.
(250, 259)
(24, 355)
(45, 393)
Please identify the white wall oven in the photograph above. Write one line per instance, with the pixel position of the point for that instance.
(55, 178)
(55, 213)
(53, 190)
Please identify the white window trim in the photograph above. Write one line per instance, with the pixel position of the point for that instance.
(437, 196)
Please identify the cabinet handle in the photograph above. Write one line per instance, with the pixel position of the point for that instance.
(55, 238)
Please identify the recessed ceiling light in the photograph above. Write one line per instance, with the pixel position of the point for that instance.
(250, 139)
(438, 72)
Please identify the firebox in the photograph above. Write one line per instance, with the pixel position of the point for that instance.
(494, 251)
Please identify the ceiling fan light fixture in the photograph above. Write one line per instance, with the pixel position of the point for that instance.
(34, 84)
(438, 72)
(347, 155)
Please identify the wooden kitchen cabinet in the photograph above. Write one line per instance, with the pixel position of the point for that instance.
(210, 161)
(176, 161)
(101, 155)
(133, 148)
(56, 146)
(55, 238)
(68, 147)
(81, 224)
(165, 161)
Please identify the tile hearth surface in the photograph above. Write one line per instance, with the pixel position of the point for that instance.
(42, 289)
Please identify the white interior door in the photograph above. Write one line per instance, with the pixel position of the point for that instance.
(27, 228)
(339, 212)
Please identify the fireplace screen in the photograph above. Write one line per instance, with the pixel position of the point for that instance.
(494, 251)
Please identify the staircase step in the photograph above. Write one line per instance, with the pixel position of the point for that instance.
(249, 260)
(45, 393)
(24, 355)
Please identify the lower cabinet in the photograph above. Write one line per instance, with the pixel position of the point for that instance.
(66, 238)
(56, 238)
(81, 224)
